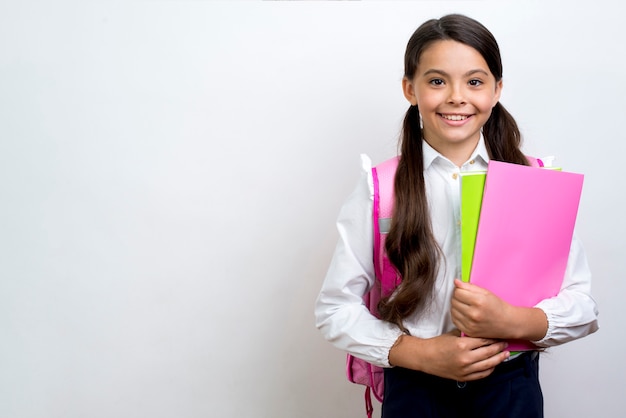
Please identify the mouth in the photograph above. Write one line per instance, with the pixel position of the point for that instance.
(456, 118)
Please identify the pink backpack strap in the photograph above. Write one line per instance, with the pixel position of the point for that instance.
(383, 176)
(534, 162)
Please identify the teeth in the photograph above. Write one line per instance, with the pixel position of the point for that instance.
(454, 117)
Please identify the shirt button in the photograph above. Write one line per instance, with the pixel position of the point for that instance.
(455, 176)
(472, 162)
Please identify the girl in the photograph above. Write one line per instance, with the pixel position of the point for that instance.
(453, 81)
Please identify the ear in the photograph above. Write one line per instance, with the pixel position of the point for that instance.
(497, 94)
(408, 88)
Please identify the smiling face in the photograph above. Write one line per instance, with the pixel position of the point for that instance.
(455, 92)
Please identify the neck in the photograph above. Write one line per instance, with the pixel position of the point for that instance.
(457, 153)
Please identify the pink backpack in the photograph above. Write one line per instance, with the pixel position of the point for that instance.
(357, 370)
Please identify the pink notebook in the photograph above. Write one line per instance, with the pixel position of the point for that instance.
(524, 233)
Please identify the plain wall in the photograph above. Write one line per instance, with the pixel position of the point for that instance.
(170, 174)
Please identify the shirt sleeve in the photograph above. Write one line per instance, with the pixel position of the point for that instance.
(340, 312)
(573, 313)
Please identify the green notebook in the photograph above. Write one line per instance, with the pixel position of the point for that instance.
(472, 186)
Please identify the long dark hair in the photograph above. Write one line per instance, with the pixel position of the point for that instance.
(410, 244)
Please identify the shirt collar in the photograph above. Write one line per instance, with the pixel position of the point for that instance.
(480, 153)
(430, 154)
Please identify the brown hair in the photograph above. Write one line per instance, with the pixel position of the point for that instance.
(410, 244)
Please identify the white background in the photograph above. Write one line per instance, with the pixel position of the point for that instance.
(170, 173)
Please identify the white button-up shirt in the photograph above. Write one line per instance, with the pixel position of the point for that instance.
(347, 323)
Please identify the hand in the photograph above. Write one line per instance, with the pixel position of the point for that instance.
(449, 355)
(479, 313)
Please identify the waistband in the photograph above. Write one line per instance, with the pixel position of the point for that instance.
(524, 363)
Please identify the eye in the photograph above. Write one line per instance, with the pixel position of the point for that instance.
(436, 82)
(475, 82)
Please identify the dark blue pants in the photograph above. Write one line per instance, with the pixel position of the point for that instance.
(511, 391)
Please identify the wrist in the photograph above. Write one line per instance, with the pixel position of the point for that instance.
(529, 324)
(405, 352)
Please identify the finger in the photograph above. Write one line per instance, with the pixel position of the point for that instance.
(491, 355)
(491, 361)
(476, 375)
(469, 287)
(465, 296)
(459, 305)
(460, 284)
(458, 319)
(489, 346)
(461, 313)
(484, 367)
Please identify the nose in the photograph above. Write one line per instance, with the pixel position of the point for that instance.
(456, 95)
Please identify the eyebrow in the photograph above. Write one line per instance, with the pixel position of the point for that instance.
(467, 74)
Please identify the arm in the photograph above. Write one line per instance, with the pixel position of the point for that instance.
(573, 313)
(340, 313)
(449, 355)
(570, 315)
(345, 321)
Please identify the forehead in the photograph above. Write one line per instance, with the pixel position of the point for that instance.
(451, 56)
